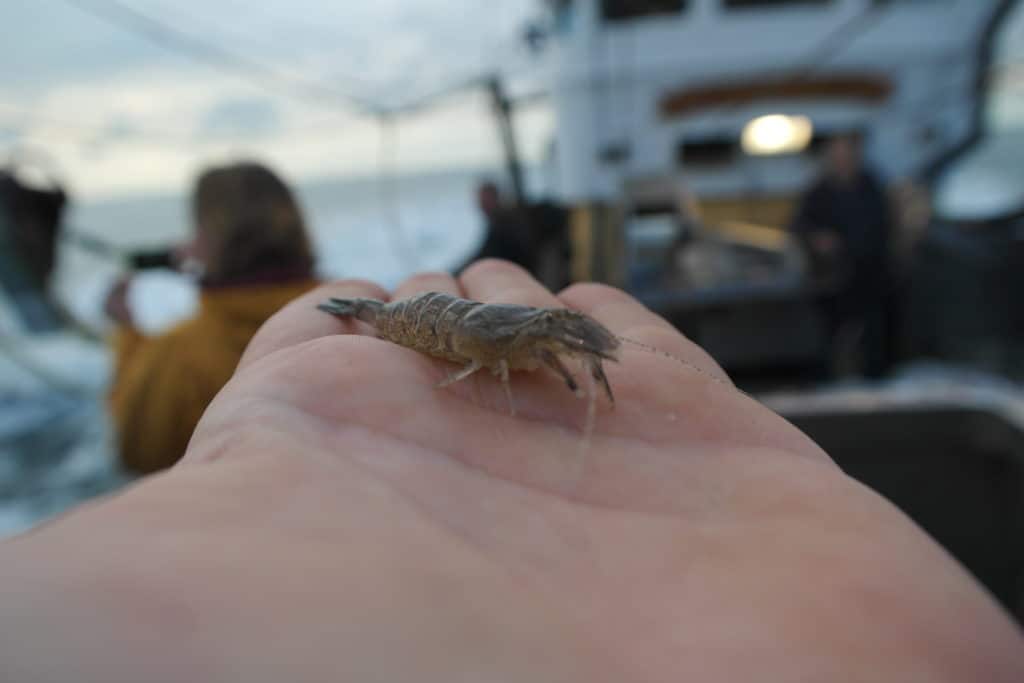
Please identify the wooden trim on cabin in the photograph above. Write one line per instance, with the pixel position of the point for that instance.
(598, 244)
(774, 211)
(870, 87)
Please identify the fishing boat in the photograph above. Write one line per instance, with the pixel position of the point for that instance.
(722, 104)
(687, 131)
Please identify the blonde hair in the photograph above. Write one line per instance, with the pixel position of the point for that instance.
(249, 223)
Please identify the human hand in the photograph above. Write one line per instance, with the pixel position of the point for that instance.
(339, 518)
(115, 306)
(188, 258)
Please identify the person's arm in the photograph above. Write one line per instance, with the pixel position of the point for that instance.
(821, 244)
(339, 517)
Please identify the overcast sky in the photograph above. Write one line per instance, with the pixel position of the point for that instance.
(120, 113)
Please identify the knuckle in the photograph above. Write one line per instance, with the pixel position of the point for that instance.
(493, 266)
(595, 291)
(347, 285)
(427, 277)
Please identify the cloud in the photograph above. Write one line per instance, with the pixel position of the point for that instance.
(119, 128)
(10, 134)
(51, 43)
(368, 47)
(250, 117)
(139, 133)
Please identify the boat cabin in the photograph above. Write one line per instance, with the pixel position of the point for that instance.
(717, 108)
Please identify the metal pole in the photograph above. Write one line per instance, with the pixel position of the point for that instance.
(503, 112)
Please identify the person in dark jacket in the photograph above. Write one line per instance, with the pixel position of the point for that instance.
(509, 235)
(844, 222)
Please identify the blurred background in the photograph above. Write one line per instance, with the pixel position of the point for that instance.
(828, 195)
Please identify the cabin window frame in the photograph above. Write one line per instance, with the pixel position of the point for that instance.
(610, 14)
(772, 5)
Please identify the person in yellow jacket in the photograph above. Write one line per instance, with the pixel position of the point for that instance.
(254, 252)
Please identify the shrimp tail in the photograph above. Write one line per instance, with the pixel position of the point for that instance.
(362, 309)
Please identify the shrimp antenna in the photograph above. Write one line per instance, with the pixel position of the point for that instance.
(686, 364)
(666, 354)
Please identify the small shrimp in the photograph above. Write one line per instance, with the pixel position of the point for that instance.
(498, 337)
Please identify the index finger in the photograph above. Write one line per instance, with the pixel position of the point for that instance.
(299, 321)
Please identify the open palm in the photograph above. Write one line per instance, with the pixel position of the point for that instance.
(338, 517)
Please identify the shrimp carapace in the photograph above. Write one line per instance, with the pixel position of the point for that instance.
(499, 337)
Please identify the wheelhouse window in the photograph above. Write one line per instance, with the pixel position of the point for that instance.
(749, 4)
(624, 10)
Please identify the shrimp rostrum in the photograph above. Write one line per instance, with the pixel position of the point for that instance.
(497, 337)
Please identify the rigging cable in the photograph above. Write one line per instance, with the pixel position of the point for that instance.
(317, 92)
(838, 40)
(197, 47)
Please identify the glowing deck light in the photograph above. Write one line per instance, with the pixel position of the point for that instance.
(777, 134)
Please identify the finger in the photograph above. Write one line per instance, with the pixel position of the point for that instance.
(300, 321)
(648, 379)
(428, 282)
(630, 320)
(495, 281)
